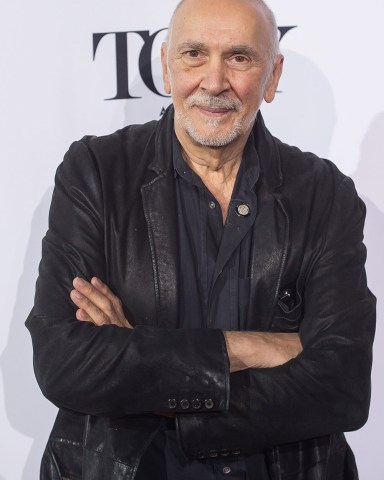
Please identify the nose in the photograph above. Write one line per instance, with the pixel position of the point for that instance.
(215, 77)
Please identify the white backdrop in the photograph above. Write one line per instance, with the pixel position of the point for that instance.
(53, 91)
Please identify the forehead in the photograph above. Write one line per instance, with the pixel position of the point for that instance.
(240, 22)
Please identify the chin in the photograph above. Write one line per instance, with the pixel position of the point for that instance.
(213, 133)
(217, 138)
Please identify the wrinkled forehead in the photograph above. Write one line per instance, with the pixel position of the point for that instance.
(235, 21)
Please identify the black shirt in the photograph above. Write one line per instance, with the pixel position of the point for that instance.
(214, 291)
(215, 258)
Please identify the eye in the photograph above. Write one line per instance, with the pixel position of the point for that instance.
(192, 53)
(240, 59)
(193, 58)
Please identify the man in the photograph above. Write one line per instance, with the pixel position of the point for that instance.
(219, 324)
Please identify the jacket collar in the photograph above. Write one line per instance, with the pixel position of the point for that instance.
(271, 174)
(162, 161)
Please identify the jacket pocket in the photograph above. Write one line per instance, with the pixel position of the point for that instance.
(289, 310)
(322, 458)
(49, 468)
(65, 460)
(63, 455)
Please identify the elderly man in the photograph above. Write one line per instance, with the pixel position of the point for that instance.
(219, 324)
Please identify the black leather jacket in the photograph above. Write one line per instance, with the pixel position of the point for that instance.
(113, 215)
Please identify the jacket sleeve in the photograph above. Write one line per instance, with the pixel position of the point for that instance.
(109, 370)
(326, 389)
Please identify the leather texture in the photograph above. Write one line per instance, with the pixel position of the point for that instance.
(113, 215)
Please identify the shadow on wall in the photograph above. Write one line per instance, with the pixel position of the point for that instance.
(369, 182)
(303, 113)
(26, 409)
(370, 170)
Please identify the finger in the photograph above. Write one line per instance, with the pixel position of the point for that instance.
(117, 303)
(100, 300)
(101, 297)
(104, 289)
(76, 297)
(83, 316)
(83, 303)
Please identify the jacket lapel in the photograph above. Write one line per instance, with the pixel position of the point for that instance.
(270, 234)
(160, 213)
(159, 203)
(269, 251)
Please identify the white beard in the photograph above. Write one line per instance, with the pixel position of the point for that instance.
(212, 137)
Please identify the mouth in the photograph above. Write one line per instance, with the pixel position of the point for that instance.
(213, 111)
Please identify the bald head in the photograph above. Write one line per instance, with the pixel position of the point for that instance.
(261, 8)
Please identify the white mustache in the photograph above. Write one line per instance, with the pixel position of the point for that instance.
(199, 100)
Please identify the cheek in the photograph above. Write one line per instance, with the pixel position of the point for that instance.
(252, 93)
(245, 85)
(184, 81)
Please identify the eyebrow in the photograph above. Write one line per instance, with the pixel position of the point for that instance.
(245, 49)
(191, 45)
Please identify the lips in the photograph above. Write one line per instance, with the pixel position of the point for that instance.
(213, 111)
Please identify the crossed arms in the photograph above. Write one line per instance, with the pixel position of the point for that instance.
(101, 369)
(97, 304)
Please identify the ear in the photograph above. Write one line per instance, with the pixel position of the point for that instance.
(164, 64)
(273, 81)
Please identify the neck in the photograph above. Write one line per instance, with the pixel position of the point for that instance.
(220, 160)
(216, 166)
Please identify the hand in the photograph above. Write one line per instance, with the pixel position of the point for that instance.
(261, 349)
(97, 304)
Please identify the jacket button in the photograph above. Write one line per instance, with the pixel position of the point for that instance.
(213, 453)
(226, 470)
(243, 210)
(224, 452)
(172, 403)
(184, 404)
(236, 451)
(208, 403)
(196, 404)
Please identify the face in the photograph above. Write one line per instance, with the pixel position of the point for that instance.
(218, 67)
